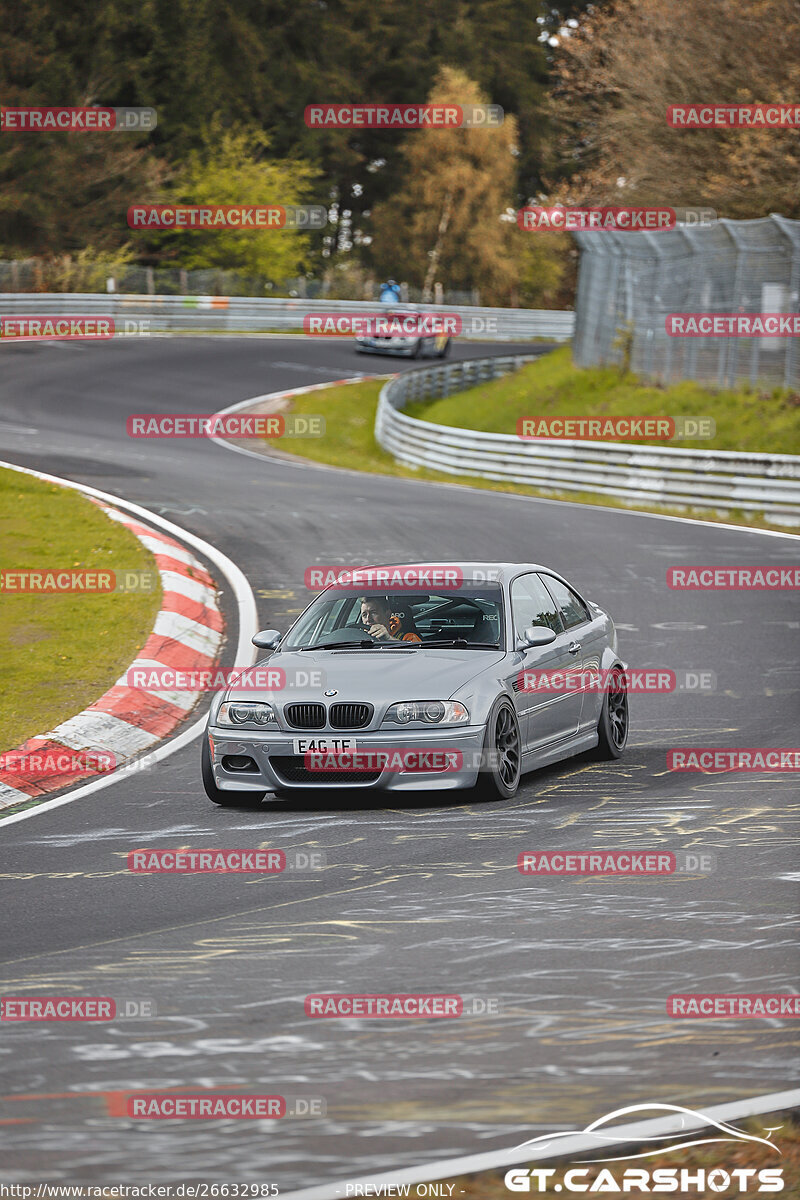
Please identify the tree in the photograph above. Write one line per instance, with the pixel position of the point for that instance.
(625, 64)
(233, 168)
(458, 184)
(60, 191)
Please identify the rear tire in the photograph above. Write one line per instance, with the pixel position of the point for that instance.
(217, 795)
(415, 353)
(502, 751)
(612, 728)
(445, 351)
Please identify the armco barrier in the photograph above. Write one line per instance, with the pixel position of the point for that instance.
(252, 314)
(710, 479)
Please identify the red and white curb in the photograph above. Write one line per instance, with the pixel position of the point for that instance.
(187, 636)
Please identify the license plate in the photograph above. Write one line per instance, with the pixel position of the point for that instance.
(324, 745)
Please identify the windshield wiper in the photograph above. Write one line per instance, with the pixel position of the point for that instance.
(363, 644)
(463, 642)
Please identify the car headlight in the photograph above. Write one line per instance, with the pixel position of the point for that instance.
(250, 713)
(429, 712)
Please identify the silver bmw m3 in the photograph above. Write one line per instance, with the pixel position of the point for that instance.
(422, 677)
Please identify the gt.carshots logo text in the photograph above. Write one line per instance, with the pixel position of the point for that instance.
(588, 220)
(231, 425)
(383, 324)
(733, 579)
(403, 116)
(76, 120)
(673, 1129)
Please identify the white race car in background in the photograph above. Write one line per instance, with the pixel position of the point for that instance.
(434, 345)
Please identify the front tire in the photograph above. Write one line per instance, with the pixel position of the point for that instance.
(502, 754)
(215, 794)
(612, 728)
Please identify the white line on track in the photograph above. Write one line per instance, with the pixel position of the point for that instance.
(245, 651)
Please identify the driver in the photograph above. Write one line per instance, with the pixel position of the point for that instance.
(383, 624)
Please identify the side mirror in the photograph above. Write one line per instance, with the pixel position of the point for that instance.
(268, 639)
(536, 635)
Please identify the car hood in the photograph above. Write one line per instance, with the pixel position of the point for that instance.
(375, 675)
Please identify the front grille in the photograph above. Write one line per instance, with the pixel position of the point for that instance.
(305, 716)
(292, 769)
(350, 716)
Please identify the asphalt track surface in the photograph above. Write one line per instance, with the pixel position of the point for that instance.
(421, 895)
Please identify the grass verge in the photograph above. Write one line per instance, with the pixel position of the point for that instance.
(62, 651)
(746, 419)
(349, 441)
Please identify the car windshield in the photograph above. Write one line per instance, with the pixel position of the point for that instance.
(471, 616)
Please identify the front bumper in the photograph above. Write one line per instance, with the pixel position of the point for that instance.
(267, 748)
(402, 347)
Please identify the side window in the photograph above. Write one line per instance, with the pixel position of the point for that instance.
(532, 604)
(573, 610)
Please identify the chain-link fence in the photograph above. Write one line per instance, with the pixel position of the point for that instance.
(35, 275)
(629, 283)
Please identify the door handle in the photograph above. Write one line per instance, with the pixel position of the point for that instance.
(574, 647)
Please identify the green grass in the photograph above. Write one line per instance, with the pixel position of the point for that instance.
(349, 411)
(61, 652)
(553, 386)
